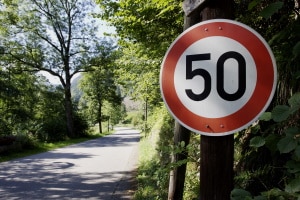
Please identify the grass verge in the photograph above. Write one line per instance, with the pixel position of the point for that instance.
(148, 165)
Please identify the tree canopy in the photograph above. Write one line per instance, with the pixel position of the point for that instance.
(56, 36)
(145, 30)
(99, 86)
(145, 22)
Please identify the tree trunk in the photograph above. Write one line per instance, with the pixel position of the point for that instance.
(100, 117)
(108, 124)
(69, 109)
(100, 126)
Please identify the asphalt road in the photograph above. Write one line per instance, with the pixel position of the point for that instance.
(98, 169)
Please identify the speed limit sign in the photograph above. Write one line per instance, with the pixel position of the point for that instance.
(218, 77)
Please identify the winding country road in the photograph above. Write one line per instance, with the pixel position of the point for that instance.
(97, 169)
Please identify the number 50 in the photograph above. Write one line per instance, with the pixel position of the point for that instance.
(190, 74)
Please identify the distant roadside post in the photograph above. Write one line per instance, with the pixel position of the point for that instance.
(217, 78)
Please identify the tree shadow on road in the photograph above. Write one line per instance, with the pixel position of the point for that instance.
(43, 181)
(38, 177)
(116, 139)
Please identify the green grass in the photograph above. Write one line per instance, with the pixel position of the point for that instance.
(147, 188)
(150, 173)
(39, 147)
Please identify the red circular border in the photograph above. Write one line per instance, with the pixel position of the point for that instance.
(264, 89)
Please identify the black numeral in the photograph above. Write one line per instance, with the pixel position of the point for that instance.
(190, 74)
(241, 75)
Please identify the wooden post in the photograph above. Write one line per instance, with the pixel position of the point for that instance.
(177, 175)
(216, 176)
(216, 153)
(216, 167)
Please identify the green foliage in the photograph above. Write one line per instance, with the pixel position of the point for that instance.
(257, 142)
(192, 183)
(99, 86)
(16, 143)
(31, 146)
(53, 130)
(58, 37)
(145, 29)
(282, 112)
(296, 49)
(271, 9)
(138, 73)
(165, 142)
(51, 119)
(31, 108)
(155, 162)
(280, 28)
(135, 118)
(264, 151)
(43, 35)
(268, 152)
(18, 97)
(26, 141)
(153, 173)
(240, 194)
(81, 125)
(288, 145)
(145, 22)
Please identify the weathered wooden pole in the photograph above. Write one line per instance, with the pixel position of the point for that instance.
(216, 176)
(177, 175)
(216, 167)
(216, 153)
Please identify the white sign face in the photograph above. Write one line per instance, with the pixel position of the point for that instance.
(214, 106)
(218, 77)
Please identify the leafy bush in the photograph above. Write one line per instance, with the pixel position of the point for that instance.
(272, 161)
(268, 159)
(135, 118)
(5, 129)
(54, 129)
(81, 125)
(16, 143)
(26, 141)
(7, 140)
(192, 183)
(153, 173)
(155, 165)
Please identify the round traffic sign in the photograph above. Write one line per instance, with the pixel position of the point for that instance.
(218, 77)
